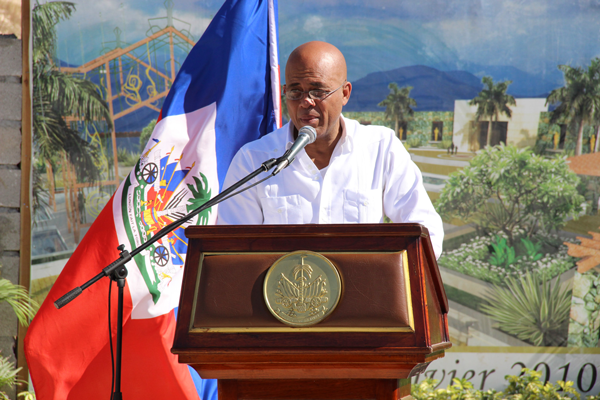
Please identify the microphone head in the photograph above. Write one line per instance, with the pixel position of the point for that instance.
(310, 132)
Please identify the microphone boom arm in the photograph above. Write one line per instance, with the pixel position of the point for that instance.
(125, 256)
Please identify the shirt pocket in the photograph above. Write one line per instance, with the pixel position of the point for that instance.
(282, 210)
(363, 207)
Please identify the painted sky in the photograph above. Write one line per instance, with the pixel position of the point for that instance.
(533, 36)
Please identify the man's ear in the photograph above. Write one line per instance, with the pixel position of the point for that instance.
(347, 89)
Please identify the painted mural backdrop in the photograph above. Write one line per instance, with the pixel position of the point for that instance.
(497, 102)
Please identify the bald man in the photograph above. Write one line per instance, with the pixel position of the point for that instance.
(350, 174)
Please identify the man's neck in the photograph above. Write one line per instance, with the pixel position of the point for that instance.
(321, 150)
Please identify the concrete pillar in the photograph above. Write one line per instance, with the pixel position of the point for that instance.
(11, 90)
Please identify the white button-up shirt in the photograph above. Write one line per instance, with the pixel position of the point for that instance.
(370, 174)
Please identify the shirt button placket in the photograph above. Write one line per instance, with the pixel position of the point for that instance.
(325, 199)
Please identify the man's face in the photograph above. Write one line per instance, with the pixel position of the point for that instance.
(312, 73)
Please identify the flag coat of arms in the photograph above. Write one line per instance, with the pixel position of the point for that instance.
(225, 95)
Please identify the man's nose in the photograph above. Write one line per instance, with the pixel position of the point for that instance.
(307, 101)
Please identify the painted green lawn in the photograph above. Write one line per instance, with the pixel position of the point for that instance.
(436, 169)
(443, 153)
(583, 225)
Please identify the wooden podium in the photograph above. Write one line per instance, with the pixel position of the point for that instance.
(389, 324)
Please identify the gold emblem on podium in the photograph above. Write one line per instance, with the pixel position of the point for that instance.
(302, 288)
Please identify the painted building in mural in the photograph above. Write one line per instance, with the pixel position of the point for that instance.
(529, 126)
(520, 129)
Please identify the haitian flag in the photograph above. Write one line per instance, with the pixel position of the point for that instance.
(225, 95)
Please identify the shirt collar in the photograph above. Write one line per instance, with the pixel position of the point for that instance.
(290, 135)
(346, 141)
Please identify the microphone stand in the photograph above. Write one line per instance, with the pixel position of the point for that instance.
(117, 271)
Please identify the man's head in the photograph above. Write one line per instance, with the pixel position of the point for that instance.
(317, 66)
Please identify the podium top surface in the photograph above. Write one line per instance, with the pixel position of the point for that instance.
(341, 230)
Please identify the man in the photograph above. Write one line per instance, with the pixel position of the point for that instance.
(350, 174)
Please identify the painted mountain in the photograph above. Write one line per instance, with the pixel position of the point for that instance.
(433, 90)
(436, 90)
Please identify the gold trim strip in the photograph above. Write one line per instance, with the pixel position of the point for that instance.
(411, 319)
(283, 329)
(289, 329)
(196, 288)
(289, 252)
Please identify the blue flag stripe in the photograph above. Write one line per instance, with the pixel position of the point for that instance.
(230, 66)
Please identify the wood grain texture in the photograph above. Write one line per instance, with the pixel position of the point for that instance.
(227, 389)
(311, 389)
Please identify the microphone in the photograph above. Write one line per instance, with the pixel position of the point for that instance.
(306, 136)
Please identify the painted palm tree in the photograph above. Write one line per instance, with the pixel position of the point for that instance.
(595, 124)
(398, 104)
(57, 95)
(579, 99)
(491, 102)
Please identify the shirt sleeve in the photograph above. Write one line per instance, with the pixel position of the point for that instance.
(404, 196)
(243, 208)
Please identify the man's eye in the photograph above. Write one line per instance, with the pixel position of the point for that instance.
(318, 93)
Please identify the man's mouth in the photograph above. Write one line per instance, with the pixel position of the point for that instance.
(309, 119)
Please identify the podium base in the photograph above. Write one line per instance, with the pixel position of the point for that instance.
(314, 389)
